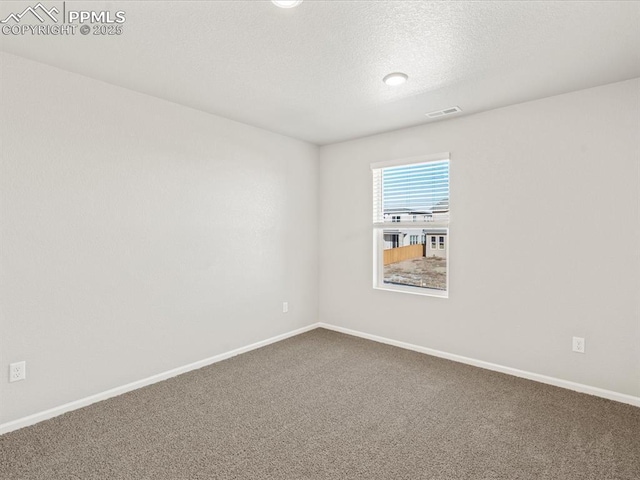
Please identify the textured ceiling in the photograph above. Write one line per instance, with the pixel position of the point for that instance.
(314, 72)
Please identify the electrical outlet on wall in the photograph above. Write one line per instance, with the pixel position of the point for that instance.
(285, 307)
(578, 344)
(17, 371)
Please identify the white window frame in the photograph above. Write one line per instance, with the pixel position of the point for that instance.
(379, 228)
(442, 240)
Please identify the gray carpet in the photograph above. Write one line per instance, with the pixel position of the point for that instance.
(324, 405)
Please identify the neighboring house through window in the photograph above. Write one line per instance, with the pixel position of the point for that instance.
(413, 194)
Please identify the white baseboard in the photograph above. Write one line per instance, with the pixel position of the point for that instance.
(67, 407)
(83, 402)
(578, 387)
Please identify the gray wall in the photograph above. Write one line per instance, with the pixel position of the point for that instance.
(138, 235)
(534, 188)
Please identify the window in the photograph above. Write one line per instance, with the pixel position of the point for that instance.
(413, 194)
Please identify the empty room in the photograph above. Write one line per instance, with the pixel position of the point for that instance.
(305, 239)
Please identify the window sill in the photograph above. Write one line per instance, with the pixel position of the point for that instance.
(425, 292)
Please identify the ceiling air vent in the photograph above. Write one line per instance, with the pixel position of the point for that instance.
(442, 113)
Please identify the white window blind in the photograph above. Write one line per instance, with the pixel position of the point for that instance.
(417, 193)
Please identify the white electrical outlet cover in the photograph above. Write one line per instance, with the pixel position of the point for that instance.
(17, 371)
(578, 344)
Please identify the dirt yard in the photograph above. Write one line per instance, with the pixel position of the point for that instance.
(427, 272)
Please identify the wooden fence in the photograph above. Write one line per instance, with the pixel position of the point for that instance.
(399, 254)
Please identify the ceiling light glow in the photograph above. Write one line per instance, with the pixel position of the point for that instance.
(396, 78)
(286, 3)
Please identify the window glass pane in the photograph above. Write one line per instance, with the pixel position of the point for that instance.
(418, 191)
(411, 265)
(411, 217)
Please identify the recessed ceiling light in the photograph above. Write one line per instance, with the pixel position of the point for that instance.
(286, 3)
(396, 78)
